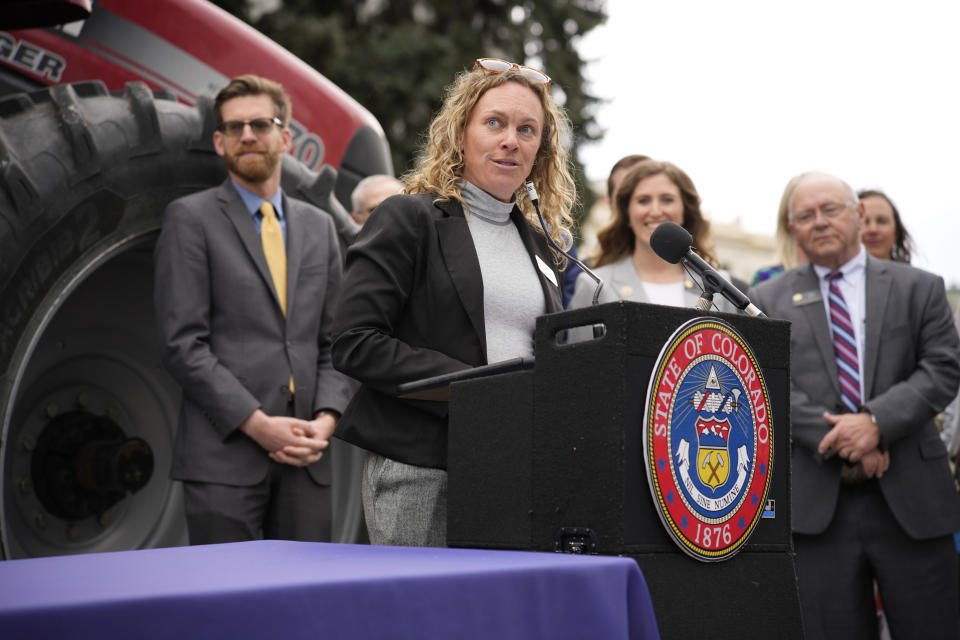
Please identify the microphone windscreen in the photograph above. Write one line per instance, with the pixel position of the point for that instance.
(670, 241)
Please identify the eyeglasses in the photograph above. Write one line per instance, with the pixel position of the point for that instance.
(259, 126)
(496, 65)
(829, 210)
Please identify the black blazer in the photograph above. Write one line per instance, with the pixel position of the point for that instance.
(413, 308)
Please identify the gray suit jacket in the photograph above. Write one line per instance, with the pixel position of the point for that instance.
(226, 339)
(911, 370)
(621, 282)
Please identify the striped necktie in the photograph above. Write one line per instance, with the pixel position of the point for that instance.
(271, 236)
(844, 346)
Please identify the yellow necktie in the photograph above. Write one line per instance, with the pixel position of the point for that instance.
(271, 236)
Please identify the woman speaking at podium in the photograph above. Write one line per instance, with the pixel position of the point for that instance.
(450, 275)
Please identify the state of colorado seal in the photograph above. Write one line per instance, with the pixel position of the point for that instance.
(708, 439)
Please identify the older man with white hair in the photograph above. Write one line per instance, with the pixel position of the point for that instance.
(370, 192)
(874, 357)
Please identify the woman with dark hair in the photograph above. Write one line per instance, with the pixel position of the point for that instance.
(450, 275)
(620, 168)
(883, 234)
(651, 192)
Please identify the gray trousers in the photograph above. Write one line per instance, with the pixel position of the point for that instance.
(404, 505)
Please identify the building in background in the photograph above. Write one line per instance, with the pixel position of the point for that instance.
(740, 252)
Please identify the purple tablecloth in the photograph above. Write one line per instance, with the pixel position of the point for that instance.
(275, 589)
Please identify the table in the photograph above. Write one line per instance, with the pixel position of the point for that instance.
(280, 589)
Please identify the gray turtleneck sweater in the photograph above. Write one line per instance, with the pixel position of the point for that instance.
(512, 295)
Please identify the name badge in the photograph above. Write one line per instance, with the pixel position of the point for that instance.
(546, 270)
(807, 297)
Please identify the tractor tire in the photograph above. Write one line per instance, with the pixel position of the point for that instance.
(87, 411)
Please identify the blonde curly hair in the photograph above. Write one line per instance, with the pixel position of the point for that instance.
(440, 164)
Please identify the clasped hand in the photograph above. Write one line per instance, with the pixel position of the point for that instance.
(290, 440)
(855, 437)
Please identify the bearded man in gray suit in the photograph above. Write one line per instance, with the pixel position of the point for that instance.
(874, 357)
(245, 282)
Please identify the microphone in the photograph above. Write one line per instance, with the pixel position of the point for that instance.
(674, 244)
(532, 192)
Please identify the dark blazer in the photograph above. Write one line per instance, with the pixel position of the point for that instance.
(227, 342)
(413, 308)
(911, 371)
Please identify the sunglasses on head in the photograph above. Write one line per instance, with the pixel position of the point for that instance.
(496, 65)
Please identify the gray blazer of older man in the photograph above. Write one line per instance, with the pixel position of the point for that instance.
(911, 369)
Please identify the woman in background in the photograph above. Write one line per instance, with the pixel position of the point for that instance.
(651, 192)
(791, 255)
(883, 234)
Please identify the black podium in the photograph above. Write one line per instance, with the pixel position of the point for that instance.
(551, 459)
